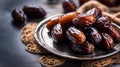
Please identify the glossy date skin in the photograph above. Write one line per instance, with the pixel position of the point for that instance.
(84, 20)
(57, 34)
(52, 22)
(68, 6)
(97, 12)
(107, 41)
(75, 36)
(66, 20)
(18, 15)
(93, 35)
(103, 23)
(114, 33)
(36, 12)
(85, 48)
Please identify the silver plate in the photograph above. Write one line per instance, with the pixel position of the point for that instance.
(41, 35)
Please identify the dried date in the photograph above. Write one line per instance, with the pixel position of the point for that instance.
(107, 41)
(66, 20)
(52, 22)
(68, 6)
(103, 22)
(114, 33)
(18, 15)
(97, 12)
(93, 35)
(57, 34)
(75, 35)
(87, 48)
(34, 11)
(84, 20)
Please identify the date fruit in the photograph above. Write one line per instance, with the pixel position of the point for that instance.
(107, 41)
(18, 15)
(93, 35)
(52, 22)
(66, 20)
(97, 12)
(57, 33)
(87, 48)
(75, 36)
(68, 6)
(103, 22)
(34, 11)
(114, 33)
(84, 20)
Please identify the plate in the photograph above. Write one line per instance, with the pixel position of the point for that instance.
(41, 35)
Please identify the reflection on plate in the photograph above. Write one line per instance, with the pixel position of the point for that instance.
(42, 36)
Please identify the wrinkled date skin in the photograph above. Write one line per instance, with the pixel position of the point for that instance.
(87, 48)
(110, 3)
(57, 34)
(107, 41)
(84, 20)
(34, 12)
(114, 33)
(97, 12)
(18, 15)
(66, 20)
(68, 6)
(75, 36)
(103, 22)
(52, 22)
(93, 35)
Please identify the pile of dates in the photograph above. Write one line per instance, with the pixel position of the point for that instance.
(85, 32)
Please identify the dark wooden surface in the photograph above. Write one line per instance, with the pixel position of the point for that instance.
(12, 50)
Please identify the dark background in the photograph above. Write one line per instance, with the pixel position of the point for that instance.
(12, 50)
